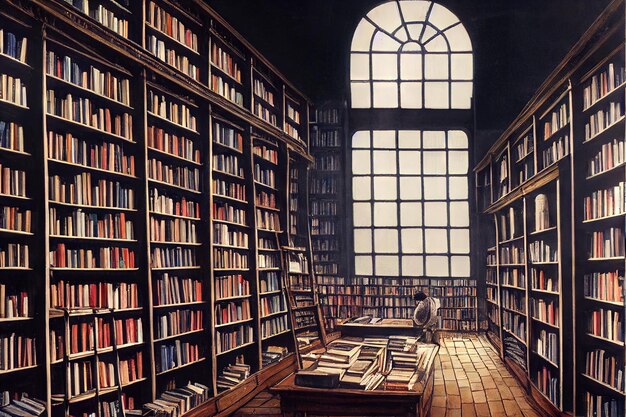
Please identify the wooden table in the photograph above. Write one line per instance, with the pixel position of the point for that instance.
(386, 327)
(351, 402)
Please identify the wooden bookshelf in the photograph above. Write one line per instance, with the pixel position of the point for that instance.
(131, 241)
(574, 264)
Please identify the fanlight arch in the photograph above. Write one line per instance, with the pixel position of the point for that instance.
(411, 54)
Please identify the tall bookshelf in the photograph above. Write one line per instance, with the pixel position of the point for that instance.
(337, 296)
(562, 162)
(142, 240)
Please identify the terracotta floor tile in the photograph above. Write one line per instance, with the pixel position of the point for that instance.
(479, 396)
(439, 401)
(468, 410)
(482, 410)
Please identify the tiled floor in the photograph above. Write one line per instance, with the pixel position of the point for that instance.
(470, 381)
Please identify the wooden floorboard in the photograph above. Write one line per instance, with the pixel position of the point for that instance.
(470, 381)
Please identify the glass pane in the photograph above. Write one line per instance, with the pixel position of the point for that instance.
(436, 44)
(429, 32)
(441, 18)
(362, 241)
(361, 162)
(384, 139)
(414, 11)
(411, 67)
(385, 214)
(437, 266)
(436, 214)
(410, 188)
(384, 43)
(462, 67)
(459, 39)
(361, 188)
(385, 188)
(435, 162)
(436, 67)
(458, 162)
(385, 162)
(363, 265)
(436, 95)
(387, 266)
(412, 241)
(415, 30)
(436, 240)
(411, 95)
(362, 214)
(410, 162)
(412, 266)
(410, 214)
(386, 241)
(459, 214)
(385, 95)
(411, 47)
(434, 139)
(459, 241)
(460, 266)
(385, 66)
(361, 139)
(409, 139)
(361, 95)
(360, 67)
(462, 93)
(457, 139)
(435, 188)
(387, 16)
(459, 188)
(363, 36)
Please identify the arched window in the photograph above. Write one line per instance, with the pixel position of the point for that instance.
(412, 55)
(410, 187)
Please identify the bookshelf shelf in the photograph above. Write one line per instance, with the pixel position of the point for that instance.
(172, 124)
(620, 88)
(180, 367)
(58, 82)
(605, 340)
(179, 335)
(606, 386)
(87, 128)
(606, 130)
(173, 157)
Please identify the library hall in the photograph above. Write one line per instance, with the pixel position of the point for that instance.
(312, 208)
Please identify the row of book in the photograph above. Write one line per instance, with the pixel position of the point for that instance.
(128, 331)
(541, 251)
(602, 83)
(173, 230)
(548, 383)
(268, 261)
(265, 176)
(90, 225)
(274, 325)
(269, 282)
(268, 220)
(17, 351)
(513, 254)
(231, 339)
(605, 202)
(265, 114)
(173, 258)
(292, 113)
(173, 290)
(172, 205)
(260, 90)
(105, 156)
(230, 164)
(104, 258)
(515, 324)
(13, 46)
(265, 200)
(229, 213)
(606, 324)
(226, 89)
(292, 131)
(25, 406)
(110, 20)
(102, 295)
(611, 155)
(604, 367)
(15, 255)
(514, 300)
(556, 151)
(272, 305)
(172, 57)
(229, 259)
(13, 90)
(12, 182)
(539, 281)
(545, 311)
(605, 286)
(11, 136)
(13, 304)
(177, 354)
(607, 243)
(233, 375)
(604, 118)
(231, 312)
(226, 189)
(227, 136)
(323, 208)
(513, 277)
(175, 175)
(325, 138)
(548, 345)
(178, 322)
(173, 144)
(177, 401)
(91, 78)
(525, 146)
(223, 60)
(267, 153)
(230, 286)
(558, 119)
(598, 405)
(170, 25)
(83, 111)
(82, 189)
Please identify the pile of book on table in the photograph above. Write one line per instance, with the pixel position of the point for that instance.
(273, 354)
(389, 363)
(24, 407)
(177, 401)
(233, 375)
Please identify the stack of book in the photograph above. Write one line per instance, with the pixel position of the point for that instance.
(24, 407)
(178, 401)
(232, 376)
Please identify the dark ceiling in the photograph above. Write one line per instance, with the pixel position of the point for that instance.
(517, 44)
